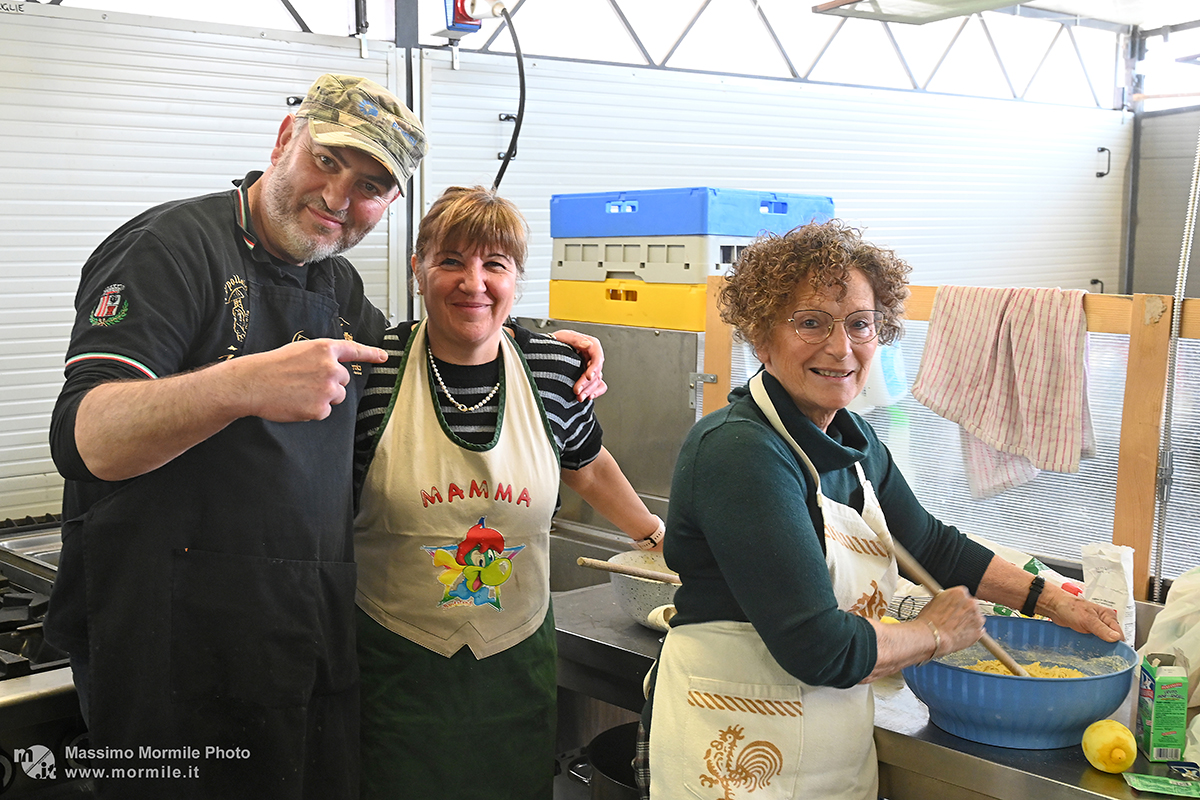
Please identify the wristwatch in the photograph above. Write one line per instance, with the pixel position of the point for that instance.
(652, 541)
(1035, 591)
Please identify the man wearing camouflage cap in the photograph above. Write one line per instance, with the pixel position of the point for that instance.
(220, 346)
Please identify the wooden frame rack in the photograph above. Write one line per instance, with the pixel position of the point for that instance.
(1145, 318)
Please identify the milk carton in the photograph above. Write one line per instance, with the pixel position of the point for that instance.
(1162, 707)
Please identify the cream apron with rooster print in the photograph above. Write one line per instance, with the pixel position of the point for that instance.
(729, 722)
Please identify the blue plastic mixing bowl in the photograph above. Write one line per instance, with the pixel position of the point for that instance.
(1026, 713)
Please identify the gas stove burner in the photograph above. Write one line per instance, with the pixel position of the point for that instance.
(40, 707)
(19, 608)
(23, 649)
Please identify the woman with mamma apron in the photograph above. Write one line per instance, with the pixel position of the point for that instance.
(783, 508)
(464, 435)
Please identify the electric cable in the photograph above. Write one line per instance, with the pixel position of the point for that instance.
(1166, 457)
(512, 144)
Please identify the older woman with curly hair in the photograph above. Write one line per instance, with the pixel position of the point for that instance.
(783, 509)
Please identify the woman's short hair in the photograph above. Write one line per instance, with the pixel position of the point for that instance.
(768, 272)
(470, 217)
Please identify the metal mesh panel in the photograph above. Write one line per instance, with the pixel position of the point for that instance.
(1056, 513)
(1181, 548)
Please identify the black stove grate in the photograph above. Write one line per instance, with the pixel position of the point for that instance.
(23, 649)
(30, 523)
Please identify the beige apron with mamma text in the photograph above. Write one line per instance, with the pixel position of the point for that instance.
(728, 721)
(453, 540)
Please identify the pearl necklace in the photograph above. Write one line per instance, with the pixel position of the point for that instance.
(450, 397)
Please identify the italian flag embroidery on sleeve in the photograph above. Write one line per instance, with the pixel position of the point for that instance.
(139, 366)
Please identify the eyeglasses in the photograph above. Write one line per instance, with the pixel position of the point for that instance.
(815, 326)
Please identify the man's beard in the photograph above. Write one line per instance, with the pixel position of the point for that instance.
(283, 209)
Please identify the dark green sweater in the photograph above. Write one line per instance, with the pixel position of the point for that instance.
(743, 526)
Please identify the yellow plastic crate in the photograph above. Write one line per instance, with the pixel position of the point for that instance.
(677, 306)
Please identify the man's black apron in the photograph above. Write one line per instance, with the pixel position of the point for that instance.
(221, 600)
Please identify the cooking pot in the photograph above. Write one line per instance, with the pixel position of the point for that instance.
(611, 757)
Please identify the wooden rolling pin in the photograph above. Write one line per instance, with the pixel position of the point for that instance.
(636, 572)
(910, 565)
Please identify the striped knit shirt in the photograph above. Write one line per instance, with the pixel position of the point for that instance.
(555, 367)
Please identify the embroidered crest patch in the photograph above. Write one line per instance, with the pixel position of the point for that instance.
(475, 567)
(112, 306)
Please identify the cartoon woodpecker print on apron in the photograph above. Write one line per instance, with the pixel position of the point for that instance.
(475, 568)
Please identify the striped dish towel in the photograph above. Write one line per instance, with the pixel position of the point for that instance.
(1009, 366)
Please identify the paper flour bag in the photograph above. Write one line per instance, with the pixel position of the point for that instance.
(1108, 581)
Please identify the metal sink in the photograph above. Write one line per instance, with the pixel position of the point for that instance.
(31, 559)
(569, 541)
(42, 547)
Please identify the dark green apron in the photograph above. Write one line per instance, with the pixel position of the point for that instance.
(220, 599)
(476, 728)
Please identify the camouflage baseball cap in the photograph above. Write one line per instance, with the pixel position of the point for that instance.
(347, 111)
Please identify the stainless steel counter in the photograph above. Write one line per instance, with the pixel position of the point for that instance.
(605, 654)
(38, 698)
(602, 652)
(919, 760)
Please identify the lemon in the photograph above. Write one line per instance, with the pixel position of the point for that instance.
(1109, 746)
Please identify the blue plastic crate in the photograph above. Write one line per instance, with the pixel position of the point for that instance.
(698, 211)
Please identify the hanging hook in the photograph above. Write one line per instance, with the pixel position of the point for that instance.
(1098, 281)
(1108, 166)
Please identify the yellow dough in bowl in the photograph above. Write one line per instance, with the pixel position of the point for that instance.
(1035, 670)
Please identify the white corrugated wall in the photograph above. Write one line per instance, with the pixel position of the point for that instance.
(103, 116)
(968, 190)
(1166, 155)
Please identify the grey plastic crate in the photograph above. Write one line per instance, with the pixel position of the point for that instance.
(653, 259)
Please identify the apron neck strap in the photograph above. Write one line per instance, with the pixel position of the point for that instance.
(758, 391)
